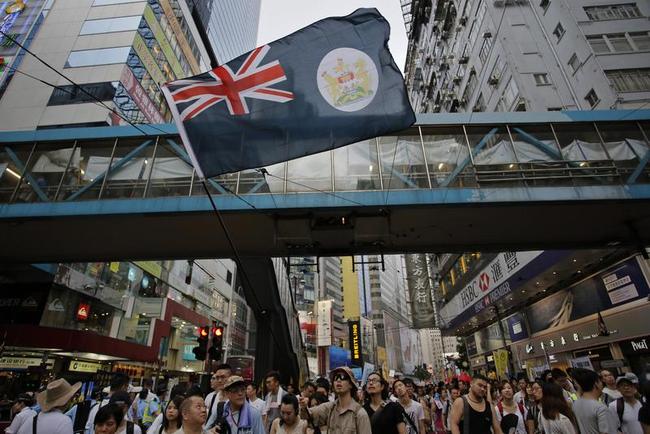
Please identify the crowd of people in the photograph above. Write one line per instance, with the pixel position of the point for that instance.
(576, 401)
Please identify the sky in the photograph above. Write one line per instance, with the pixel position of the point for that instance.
(279, 18)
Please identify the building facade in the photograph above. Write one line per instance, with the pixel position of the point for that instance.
(510, 55)
(112, 56)
(231, 26)
(136, 317)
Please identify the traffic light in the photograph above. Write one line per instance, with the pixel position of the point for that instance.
(217, 343)
(202, 339)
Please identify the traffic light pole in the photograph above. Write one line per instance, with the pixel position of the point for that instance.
(207, 367)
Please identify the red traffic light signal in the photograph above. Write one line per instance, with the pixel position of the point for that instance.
(217, 332)
(203, 332)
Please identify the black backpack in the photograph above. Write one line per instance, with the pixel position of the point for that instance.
(620, 409)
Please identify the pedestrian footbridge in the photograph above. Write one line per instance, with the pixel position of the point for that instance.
(452, 182)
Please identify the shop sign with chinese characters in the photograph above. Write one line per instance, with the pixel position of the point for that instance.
(419, 286)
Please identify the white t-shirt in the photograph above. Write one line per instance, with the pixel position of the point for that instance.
(521, 423)
(416, 413)
(520, 397)
(19, 419)
(52, 422)
(259, 404)
(613, 393)
(136, 430)
(631, 424)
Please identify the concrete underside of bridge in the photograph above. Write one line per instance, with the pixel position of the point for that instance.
(327, 224)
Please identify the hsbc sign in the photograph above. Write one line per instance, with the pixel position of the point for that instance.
(492, 276)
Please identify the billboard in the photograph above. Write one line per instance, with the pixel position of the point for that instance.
(620, 284)
(419, 286)
(356, 354)
(324, 323)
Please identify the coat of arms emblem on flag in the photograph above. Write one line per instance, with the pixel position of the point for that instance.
(327, 85)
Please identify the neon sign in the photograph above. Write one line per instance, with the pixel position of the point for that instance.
(13, 11)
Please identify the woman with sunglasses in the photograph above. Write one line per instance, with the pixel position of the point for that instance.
(343, 416)
(386, 417)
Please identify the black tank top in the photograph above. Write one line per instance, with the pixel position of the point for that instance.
(479, 422)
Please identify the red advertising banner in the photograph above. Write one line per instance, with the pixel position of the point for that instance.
(139, 95)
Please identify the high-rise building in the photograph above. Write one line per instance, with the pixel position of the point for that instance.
(507, 55)
(231, 25)
(117, 52)
(390, 312)
(331, 288)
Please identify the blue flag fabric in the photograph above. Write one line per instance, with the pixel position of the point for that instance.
(327, 85)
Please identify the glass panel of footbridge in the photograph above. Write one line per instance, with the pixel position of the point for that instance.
(356, 167)
(538, 153)
(13, 158)
(626, 145)
(311, 173)
(84, 176)
(447, 156)
(495, 159)
(130, 167)
(402, 162)
(587, 159)
(171, 170)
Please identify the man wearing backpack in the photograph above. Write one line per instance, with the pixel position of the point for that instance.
(343, 416)
(626, 409)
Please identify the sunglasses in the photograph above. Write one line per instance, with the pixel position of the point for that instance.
(341, 377)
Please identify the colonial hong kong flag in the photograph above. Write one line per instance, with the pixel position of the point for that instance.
(327, 85)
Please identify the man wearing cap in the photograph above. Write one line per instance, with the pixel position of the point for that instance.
(21, 412)
(123, 400)
(239, 417)
(344, 415)
(53, 401)
(626, 409)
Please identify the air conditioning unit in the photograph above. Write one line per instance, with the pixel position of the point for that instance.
(463, 20)
(493, 81)
(457, 79)
(463, 60)
(487, 35)
(477, 108)
(463, 102)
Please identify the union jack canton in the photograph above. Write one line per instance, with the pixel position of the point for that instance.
(252, 80)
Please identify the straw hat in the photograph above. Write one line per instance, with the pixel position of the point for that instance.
(232, 381)
(57, 394)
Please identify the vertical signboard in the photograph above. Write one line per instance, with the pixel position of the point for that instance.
(140, 97)
(420, 291)
(154, 25)
(324, 323)
(356, 355)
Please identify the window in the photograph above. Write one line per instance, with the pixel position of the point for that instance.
(554, 109)
(100, 56)
(510, 94)
(619, 42)
(641, 40)
(574, 62)
(108, 25)
(485, 50)
(113, 2)
(541, 79)
(592, 98)
(559, 31)
(630, 80)
(598, 44)
(498, 70)
(72, 94)
(544, 4)
(612, 12)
